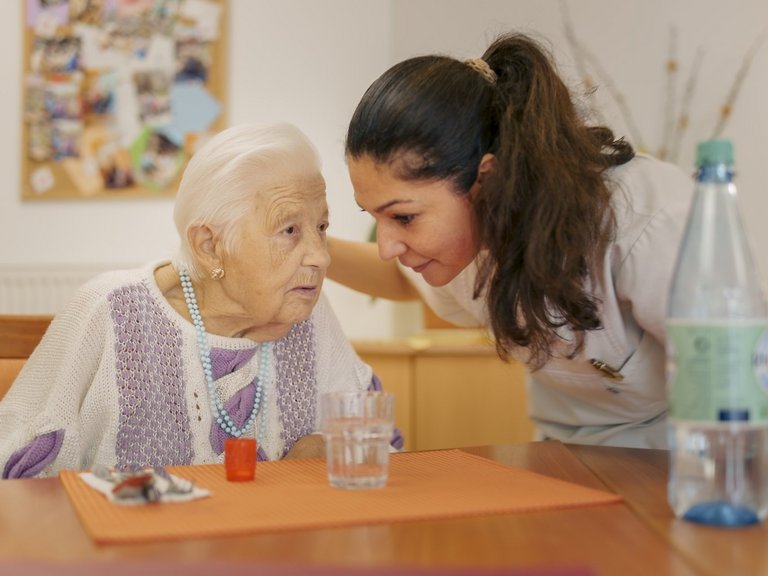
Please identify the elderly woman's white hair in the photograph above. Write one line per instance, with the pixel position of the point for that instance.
(223, 178)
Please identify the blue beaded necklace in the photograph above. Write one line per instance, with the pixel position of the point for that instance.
(220, 414)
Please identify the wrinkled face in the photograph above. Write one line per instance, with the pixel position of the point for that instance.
(427, 226)
(277, 269)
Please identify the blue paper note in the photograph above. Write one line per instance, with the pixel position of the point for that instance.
(193, 109)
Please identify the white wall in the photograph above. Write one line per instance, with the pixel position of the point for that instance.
(302, 61)
(308, 62)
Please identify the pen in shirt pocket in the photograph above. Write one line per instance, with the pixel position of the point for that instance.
(606, 370)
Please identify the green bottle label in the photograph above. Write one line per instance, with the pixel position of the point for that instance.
(718, 371)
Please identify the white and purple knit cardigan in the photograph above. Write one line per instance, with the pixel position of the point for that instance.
(117, 381)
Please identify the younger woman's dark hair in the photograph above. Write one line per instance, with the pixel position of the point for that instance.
(544, 215)
(430, 117)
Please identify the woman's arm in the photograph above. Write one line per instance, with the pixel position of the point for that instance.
(357, 265)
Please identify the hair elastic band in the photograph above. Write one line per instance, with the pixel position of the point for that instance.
(481, 66)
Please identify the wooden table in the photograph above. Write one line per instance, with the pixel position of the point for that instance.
(640, 476)
(639, 537)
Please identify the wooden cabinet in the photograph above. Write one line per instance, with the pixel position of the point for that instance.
(451, 391)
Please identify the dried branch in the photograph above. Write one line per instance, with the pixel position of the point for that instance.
(741, 74)
(583, 55)
(671, 95)
(589, 83)
(683, 120)
(672, 130)
(618, 97)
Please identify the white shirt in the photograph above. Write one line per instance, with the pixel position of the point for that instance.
(570, 399)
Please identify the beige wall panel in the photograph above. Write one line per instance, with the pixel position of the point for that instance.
(469, 400)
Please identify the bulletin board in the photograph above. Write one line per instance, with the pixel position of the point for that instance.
(117, 94)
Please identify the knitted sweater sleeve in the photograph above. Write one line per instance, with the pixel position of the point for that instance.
(41, 414)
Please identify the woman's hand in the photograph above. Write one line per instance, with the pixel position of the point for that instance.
(311, 446)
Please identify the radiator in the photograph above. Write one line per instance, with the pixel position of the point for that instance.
(42, 288)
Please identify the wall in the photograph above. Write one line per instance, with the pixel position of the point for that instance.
(302, 61)
(308, 62)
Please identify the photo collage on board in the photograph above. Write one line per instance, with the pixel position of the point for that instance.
(118, 93)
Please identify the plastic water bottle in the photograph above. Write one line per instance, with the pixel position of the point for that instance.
(717, 351)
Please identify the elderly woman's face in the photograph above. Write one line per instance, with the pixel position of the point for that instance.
(278, 267)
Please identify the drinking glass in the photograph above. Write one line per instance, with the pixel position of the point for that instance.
(357, 428)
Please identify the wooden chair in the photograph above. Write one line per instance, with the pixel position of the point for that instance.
(19, 336)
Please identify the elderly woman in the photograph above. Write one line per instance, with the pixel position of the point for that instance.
(158, 366)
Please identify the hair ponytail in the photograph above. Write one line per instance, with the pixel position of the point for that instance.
(429, 117)
(546, 216)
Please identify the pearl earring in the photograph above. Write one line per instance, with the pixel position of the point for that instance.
(217, 273)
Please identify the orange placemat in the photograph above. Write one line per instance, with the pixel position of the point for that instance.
(295, 494)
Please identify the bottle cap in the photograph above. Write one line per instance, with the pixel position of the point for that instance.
(714, 152)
